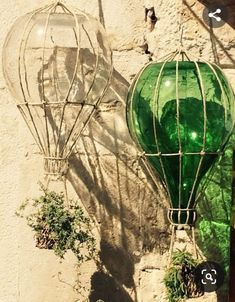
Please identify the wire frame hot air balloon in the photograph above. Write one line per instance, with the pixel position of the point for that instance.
(57, 63)
(180, 113)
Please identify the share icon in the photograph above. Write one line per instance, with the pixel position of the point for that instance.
(213, 15)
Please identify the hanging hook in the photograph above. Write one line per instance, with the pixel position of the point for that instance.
(181, 35)
(181, 51)
(59, 2)
(181, 29)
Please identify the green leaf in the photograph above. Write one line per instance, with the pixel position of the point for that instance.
(59, 227)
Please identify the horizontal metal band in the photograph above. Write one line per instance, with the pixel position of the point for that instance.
(56, 104)
(182, 217)
(202, 153)
(55, 158)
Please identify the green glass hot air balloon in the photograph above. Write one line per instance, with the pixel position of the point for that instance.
(180, 114)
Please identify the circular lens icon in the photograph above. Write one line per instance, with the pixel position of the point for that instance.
(209, 276)
(215, 15)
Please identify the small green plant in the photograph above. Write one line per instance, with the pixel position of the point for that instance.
(180, 280)
(57, 226)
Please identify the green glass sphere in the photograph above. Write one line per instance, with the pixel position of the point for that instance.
(181, 115)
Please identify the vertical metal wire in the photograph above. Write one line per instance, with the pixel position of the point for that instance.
(156, 108)
(133, 89)
(77, 37)
(194, 242)
(86, 97)
(222, 91)
(23, 41)
(208, 179)
(94, 52)
(27, 123)
(173, 235)
(66, 192)
(204, 131)
(225, 113)
(178, 130)
(44, 101)
(22, 50)
(96, 63)
(148, 168)
(28, 32)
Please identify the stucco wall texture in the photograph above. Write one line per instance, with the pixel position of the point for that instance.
(128, 209)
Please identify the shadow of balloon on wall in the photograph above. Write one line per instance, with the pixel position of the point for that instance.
(105, 288)
(118, 263)
(128, 208)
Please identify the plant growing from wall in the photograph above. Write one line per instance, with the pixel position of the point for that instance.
(59, 227)
(179, 279)
(215, 210)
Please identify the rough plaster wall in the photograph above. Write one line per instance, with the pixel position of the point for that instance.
(128, 209)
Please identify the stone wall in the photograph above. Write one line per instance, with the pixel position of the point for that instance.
(128, 209)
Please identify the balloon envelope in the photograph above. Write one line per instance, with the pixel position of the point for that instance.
(57, 64)
(181, 115)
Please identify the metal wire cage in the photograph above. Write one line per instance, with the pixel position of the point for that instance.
(57, 63)
(180, 113)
